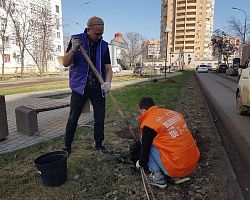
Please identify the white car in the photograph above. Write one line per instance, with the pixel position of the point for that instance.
(202, 69)
(115, 69)
(243, 90)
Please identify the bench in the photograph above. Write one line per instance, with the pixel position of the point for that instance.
(26, 116)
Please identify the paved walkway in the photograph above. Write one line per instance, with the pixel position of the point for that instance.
(51, 124)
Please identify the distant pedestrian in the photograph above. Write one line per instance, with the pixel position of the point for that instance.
(83, 82)
(167, 146)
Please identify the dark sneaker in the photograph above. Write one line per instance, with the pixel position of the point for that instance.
(159, 181)
(102, 149)
(67, 149)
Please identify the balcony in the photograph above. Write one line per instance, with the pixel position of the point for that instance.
(189, 42)
(189, 25)
(181, 14)
(179, 5)
(191, 4)
(189, 47)
(190, 33)
(180, 32)
(181, 1)
(191, 1)
(191, 13)
(191, 10)
(180, 23)
(179, 46)
(180, 28)
(181, 40)
(181, 10)
(191, 20)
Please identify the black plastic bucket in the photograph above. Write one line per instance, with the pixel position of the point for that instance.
(52, 168)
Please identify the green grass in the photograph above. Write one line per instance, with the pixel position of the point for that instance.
(34, 88)
(120, 78)
(90, 174)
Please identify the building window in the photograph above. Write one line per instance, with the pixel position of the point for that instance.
(57, 24)
(57, 8)
(6, 57)
(59, 48)
(58, 35)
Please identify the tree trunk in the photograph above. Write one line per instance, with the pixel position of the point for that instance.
(2, 59)
(22, 62)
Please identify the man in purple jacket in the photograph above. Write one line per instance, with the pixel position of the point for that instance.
(83, 82)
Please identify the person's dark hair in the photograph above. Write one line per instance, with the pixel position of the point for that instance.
(146, 103)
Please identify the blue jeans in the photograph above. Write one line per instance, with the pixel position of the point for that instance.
(76, 105)
(154, 161)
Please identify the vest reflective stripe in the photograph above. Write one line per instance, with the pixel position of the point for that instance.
(177, 147)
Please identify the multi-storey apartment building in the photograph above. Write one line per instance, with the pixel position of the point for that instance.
(40, 21)
(151, 50)
(187, 27)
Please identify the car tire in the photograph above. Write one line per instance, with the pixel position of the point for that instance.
(241, 109)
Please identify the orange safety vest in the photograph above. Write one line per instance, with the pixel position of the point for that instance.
(178, 151)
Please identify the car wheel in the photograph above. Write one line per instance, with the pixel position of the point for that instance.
(241, 109)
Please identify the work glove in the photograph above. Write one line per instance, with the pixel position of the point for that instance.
(76, 42)
(106, 86)
(137, 164)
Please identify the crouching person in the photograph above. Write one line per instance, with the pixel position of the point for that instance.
(167, 144)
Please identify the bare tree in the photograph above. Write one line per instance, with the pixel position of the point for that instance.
(222, 47)
(22, 29)
(42, 47)
(133, 41)
(7, 7)
(237, 28)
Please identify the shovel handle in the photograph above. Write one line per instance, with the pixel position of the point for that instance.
(115, 103)
(92, 66)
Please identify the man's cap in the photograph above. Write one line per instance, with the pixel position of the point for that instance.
(95, 21)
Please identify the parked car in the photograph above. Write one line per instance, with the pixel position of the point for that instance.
(115, 69)
(232, 70)
(221, 68)
(209, 67)
(138, 70)
(202, 68)
(214, 67)
(243, 90)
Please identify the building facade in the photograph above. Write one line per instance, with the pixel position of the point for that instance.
(151, 50)
(186, 28)
(116, 48)
(26, 21)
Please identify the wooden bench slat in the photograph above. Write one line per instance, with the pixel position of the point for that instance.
(48, 108)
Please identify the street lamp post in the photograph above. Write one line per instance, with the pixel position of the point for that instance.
(166, 53)
(245, 26)
(85, 3)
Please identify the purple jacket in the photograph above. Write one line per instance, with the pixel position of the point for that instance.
(78, 72)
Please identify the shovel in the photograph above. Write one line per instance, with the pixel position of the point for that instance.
(114, 101)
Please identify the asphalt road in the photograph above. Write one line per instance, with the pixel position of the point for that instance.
(234, 129)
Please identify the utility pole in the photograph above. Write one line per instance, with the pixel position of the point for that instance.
(245, 26)
(166, 55)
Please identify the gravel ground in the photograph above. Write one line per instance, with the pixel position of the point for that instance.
(211, 179)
